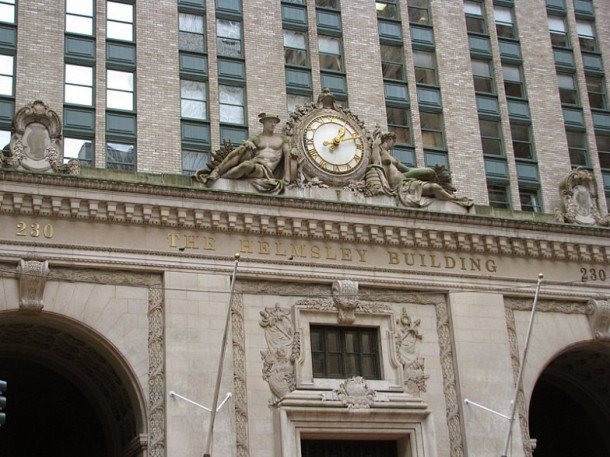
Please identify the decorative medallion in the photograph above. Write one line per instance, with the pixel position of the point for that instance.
(579, 199)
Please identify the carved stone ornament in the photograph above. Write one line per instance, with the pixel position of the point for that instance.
(354, 393)
(283, 349)
(579, 199)
(32, 280)
(345, 296)
(600, 319)
(408, 341)
(36, 141)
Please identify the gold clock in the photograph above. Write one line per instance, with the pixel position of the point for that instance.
(334, 144)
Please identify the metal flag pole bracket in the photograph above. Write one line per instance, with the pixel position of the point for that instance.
(188, 400)
(513, 403)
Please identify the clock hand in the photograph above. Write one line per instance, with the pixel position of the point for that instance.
(355, 137)
(336, 140)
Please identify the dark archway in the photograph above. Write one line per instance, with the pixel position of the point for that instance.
(68, 393)
(570, 406)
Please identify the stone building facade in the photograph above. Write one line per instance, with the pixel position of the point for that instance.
(364, 317)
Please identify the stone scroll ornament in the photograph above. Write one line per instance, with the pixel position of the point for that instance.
(283, 349)
(579, 200)
(32, 280)
(408, 341)
(36, 142)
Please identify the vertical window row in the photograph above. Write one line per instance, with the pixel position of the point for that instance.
(193, 68)
(231, 71)
(8, 51)
(297, 65)
(330, 48)
(396, 93)
(428, 85)
(79, 82)
(120, 86)
(486, 93)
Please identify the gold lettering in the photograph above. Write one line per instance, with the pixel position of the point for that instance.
(463, 263)
(329, 252)
(172, 239)
(490, 265)
(393, 258)
(433, 261)
(263, 247)
(449, 262)
(361, 254)
(346, 254)
(315, 252)
(298, 250)
(279, 249)
(245, 246)
(190, 241)
(411, 262)
(210, 243)
(422, 260)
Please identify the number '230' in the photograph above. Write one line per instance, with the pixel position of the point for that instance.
(591, 274)
(35, 230)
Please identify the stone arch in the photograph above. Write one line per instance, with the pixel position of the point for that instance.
(569, 411)
(85, 367)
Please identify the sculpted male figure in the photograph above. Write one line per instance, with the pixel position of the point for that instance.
(258, 156)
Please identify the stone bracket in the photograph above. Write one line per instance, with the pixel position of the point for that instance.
(32, 280)
(600, 319)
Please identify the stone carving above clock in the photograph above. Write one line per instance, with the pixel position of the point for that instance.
(325, 145)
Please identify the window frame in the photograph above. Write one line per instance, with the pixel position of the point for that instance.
(435, 132)
(568, 96)
(117, 90)
(582, 148)
(473, 18)
(125, 166)
(496, 139)
(199, 101)
(9, 77)
(121, 22)
(220, 46)
(10, 5)
(502, 25)
(488, 78)
(339, 57)
(518, 141)
(79, 15)
(242, 105)
(602, 94)
(295, 52)
(184, 32)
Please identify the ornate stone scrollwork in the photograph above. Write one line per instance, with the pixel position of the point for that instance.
(345, 296)
(579, 199)
(354, 393)
(36, 141)
(284, 348)
(600, 319)
(32, 280)
(408, 341)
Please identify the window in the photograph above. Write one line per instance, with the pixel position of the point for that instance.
(343, 352)
(567, 89)
(119, 21)
(5, 139)
(345, 448)
(482, 75)
(120, 156)
(392, 62)
(425, 67)
(387, 10)
(191, 33)
(193, 161)
(228, 40)
(193, 100)
(498, 195)
(596, 89)
(522, 142)
(79, 17)
(331, 57)
(295, 48)
(557, 28)
(419, 12)
(294, 100)
(80, 149)
(7, 11)
(529, 200)
(119, 90)
(491, 139)
(232, 108)
(586, 36)
(78, 89)
(475, 20)
(6, 75)
(504, 22)
(577, 147)
(513, 85)
(331, 4)
(399, 123)
(432, 130)
(603, 149)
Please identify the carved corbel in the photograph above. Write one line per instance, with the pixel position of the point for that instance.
(345, 296)
(32, 281)
(600, 319)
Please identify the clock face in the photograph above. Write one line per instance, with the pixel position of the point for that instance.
(333, 144)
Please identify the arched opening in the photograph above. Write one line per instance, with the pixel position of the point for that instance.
(69, 392)
(570, 406)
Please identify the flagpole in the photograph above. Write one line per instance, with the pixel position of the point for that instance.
(521, 367)
(208, 451)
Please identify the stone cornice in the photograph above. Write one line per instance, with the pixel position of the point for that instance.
(139, 203)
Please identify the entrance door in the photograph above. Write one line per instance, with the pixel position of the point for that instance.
(348, 448)
(569, 412)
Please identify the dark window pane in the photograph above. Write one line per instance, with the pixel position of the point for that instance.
(491, 146)
(475, 24)
(513, 89)
(333, 341)
(498, 196)
(386, 11)
(483, 85)
(295, 57)
(330, 62)
(559, 40)
(403, 135)
(397, 116)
